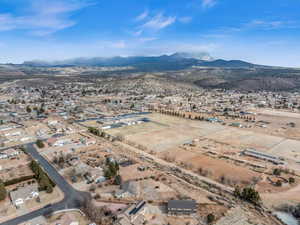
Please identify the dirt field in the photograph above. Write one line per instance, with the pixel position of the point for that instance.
(279, 113)
(276, 199)
(66, 218)
(131, 172)
(215, 167)
(14, 168)
(166, 132)
(278, 123)
(239, 216)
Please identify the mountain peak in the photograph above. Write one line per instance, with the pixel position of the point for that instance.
(193, 55)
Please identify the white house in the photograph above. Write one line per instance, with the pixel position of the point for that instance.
(89, 141)
(14, 133)
(3, 156)
(22, 194)
(129, 189)
(11, 153)
(60, 143)
(52, 122)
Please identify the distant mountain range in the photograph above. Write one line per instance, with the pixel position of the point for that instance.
(177, 61)
(196, 69)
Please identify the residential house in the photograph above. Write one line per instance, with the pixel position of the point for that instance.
(129, 189)
(22, 194)
(11, 153)
(134, 214)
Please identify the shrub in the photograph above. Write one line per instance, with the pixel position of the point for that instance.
(277, 172)
(3, 192)
(18, 180)
(210, 218)
(40, 144)
(45, 183)
(291, 180)
(118, 180)
(278, 183)
(28, 109)
(247, 194)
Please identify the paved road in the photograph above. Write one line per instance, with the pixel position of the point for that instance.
(72, 198)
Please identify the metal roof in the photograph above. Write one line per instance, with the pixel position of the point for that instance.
(182, 204)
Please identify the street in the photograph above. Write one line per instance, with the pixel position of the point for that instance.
(72, 198)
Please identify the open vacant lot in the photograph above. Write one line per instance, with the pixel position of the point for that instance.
(216, 168)
(164, 133)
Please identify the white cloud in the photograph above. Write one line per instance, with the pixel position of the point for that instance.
(137, 33)
(276, 24)
(208, 3)
(43, 17)
(261, 25)
(154, 24)
(142, 16)
(159, 22)
(186, 19)
(147, 39)
(7, 22)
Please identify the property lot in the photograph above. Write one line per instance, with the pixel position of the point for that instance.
(15, 167)
(213, 150)
(68, 218)
(288, 149)
(213, 167)
(246, 139)
(278, 123)
(132, 172)
(8, 210)
(164, 133)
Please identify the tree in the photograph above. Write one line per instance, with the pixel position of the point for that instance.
(278, 183)
(41, 110)
(28, 109)
(34, 167)
(108, 174)
(49, 189)
(291, 180)
(210, 218)
(112, 169)
(251, 195)
(23, 149)
(41, 176)
(247, 194)
(98, 214)
(277, 172)
(94, 131)
(3, 192)
(40, 144)
(118, 180)
(237, 192)
(117, 167)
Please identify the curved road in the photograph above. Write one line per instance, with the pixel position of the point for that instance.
(72, 198)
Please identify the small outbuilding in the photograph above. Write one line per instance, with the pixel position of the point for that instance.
(186, 207)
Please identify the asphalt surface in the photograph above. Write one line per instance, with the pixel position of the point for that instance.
(72, 198)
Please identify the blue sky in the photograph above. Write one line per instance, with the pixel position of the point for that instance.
(259, 31)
